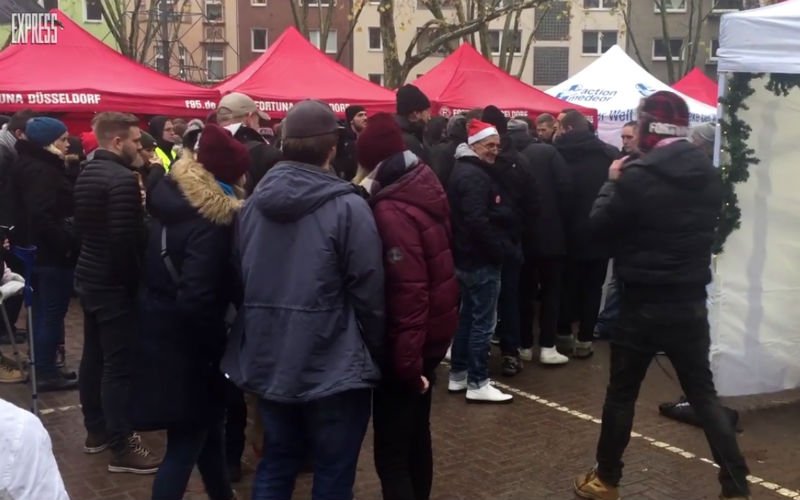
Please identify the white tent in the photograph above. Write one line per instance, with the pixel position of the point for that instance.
(755, 318)
(614, 85)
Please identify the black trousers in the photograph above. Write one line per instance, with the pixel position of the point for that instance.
(235, 423)
(581, 296)
(508, 308)
(403, 453)
(110, 327)
(681, 331)
(543, 273)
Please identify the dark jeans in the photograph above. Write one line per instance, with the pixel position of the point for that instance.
(187, 445)
(330, 429)
(469, 357)
(610, 312)
(109, 329)
(581, 297)
(52, 290)
(403, 453)
(544, 272)
(681, 331)
(508, 314)
(235, 423)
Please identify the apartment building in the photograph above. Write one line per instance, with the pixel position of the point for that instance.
(262, 21)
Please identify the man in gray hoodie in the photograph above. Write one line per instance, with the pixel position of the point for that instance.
(310, 330)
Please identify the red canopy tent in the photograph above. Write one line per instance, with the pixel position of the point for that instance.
(698, 86)
(292, 69)
(80, 74)
(466, 80)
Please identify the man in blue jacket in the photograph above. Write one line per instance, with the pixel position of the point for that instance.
(310, 330)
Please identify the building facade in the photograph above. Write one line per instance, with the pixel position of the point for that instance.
(261, 22)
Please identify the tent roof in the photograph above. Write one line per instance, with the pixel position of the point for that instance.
(615, 84)
(292, 70)
(761, 40)
(466, 80)
(81, 73)
(698, 86)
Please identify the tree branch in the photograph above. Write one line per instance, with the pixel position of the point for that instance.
(353, 22)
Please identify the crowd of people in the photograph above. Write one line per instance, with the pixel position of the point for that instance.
(327, 268)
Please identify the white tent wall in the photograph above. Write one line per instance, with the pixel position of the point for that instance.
(755, 306)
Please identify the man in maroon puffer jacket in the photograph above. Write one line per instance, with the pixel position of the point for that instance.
(413, 219)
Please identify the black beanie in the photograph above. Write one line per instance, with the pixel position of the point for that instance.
(352, 111)
(410, 99)
(493, 116)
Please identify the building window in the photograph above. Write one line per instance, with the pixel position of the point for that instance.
(496, 41)
(660, 49)
(596, 43)
(553, 22)
(159, 62)
(430, 34)
(183, 61)
(258, 3)
(331, 44)
(376, 78)
(670, 5)
(599, 4)
(317, 3)
(93, 12)
(714, 49)
(550, 65)
(375, 41)
(215, 63)
(49, 4)
(214, 11)
(258, 39)
(727, 5)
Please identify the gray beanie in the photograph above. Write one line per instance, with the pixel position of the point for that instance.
(705, 132)
(518, 125)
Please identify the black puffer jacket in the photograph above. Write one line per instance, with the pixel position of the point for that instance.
(589, 159)
(515, 176)
(413, 138)
(482, 212)
(661, 216)
(109, 219)
(555, 192)
(44, 214)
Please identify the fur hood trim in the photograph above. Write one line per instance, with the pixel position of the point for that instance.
(202, 191)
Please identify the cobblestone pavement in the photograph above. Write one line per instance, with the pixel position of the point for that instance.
(528, 450)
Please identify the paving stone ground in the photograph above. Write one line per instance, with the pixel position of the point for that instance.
(528, 450)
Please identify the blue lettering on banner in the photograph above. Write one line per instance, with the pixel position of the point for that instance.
(579, 93)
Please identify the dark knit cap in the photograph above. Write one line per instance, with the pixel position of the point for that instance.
(222, 155)
(148, 142)
(410, 99)
(352, 111)
(493, 116)
(381, 139)
(657, 113)
(43, 131)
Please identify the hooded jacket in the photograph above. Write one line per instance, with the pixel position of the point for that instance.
(164, 149)
(413, 219)
(45, 210)
(661, 216)
(177, 376)
(413, 138)
(482, 214)
(312, 320)
(589, 159)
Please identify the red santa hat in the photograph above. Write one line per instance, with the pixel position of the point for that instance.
(479, 131)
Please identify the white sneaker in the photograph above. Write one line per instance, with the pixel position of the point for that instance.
(488, 394)
(447, 355)
(551, 356)
(526, 354)
(457, 385)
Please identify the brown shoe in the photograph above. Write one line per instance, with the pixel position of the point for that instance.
(96, 442)
(10, 372)
(134, 458)
(590, 486)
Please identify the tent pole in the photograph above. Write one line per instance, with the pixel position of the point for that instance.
(722, 87)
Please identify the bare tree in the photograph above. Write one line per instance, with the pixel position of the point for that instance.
(442, 34)
(322, 14)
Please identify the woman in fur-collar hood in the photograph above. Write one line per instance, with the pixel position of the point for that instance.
(189, 283)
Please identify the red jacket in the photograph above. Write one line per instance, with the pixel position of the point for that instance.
(413, 219)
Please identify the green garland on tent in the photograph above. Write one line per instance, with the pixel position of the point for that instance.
(735, 134)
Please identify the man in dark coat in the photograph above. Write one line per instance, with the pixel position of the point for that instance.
(239, 114)
(413, 114)
(544, 259)
(660, 212)
(9, 135)
(109, 219)
(482, 213)
(413, 219)
(443, 155)
(308, 247)
(588, 158)
(514, 174)
(345, 163)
